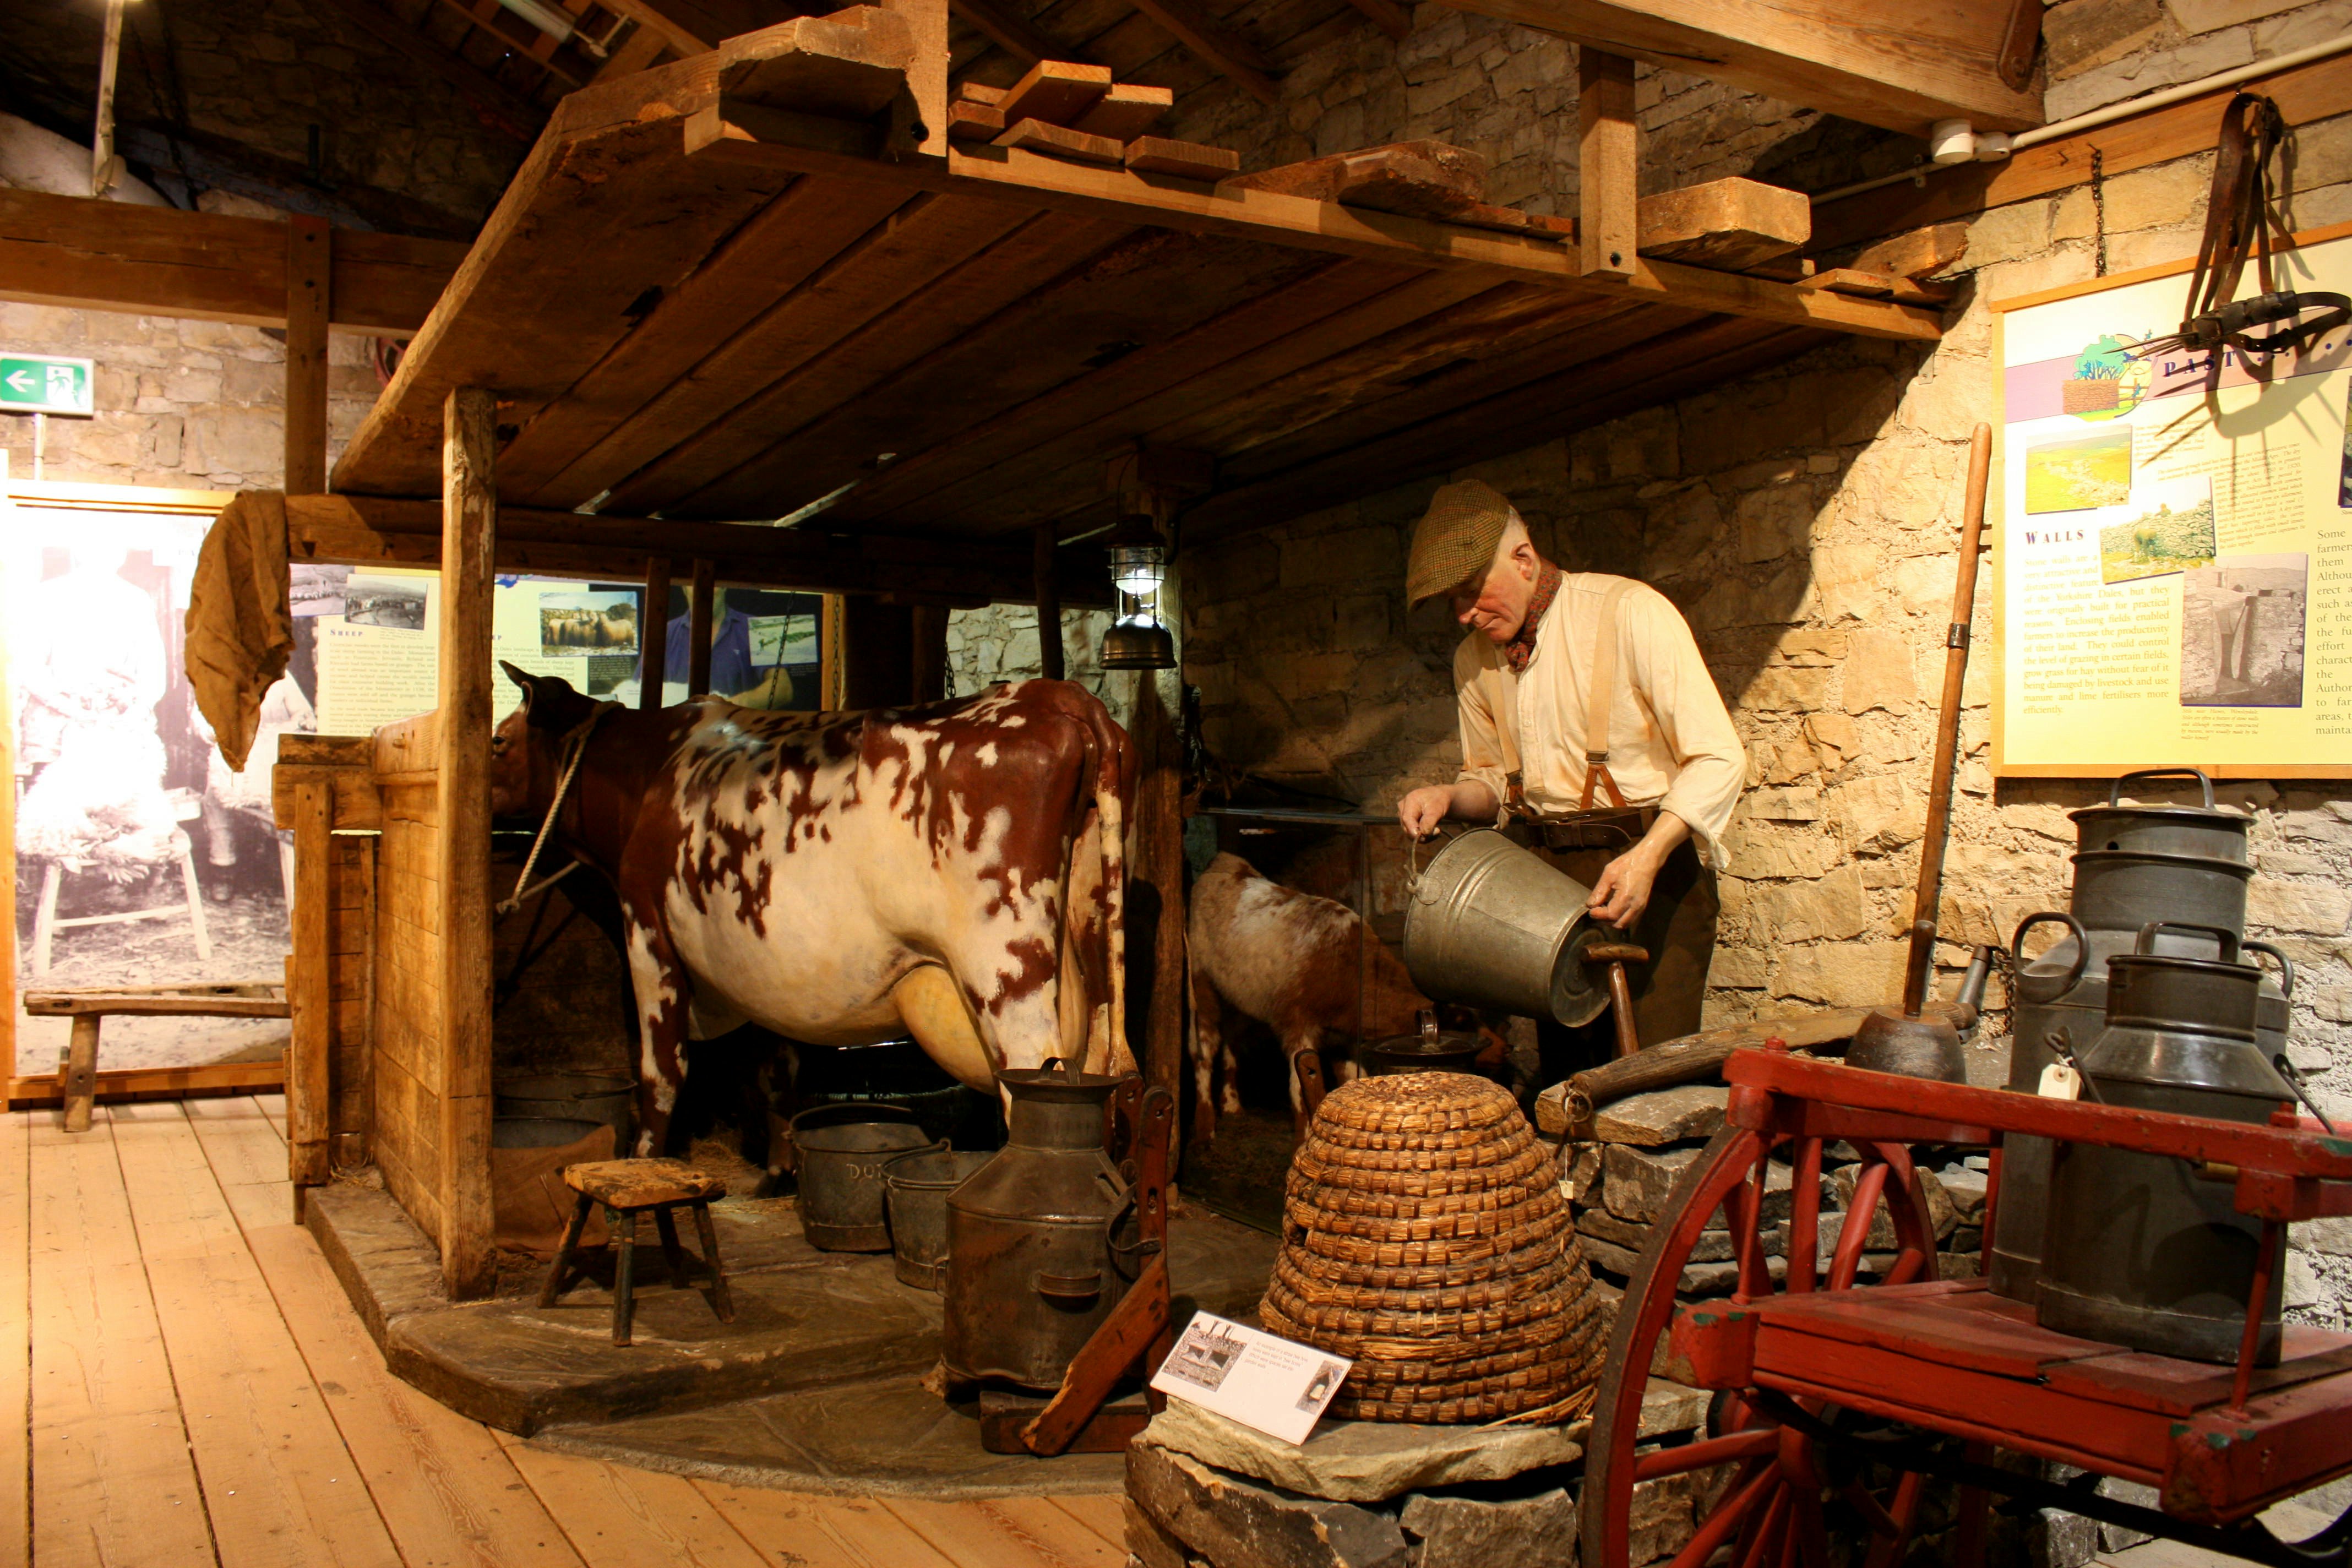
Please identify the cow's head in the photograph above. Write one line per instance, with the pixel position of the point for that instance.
(526, 749)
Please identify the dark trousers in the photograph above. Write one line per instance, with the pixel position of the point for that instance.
(1678, 929)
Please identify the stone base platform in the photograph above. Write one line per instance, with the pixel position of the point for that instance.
(815, 1385)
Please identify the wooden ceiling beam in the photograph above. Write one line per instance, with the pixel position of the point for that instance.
(1217, 44)
(681, 37)
(369, 529)
(1890, 63)
(1012, 33)
(112, 256)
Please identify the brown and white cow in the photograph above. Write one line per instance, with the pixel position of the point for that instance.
(1294, 962)
(953, 871)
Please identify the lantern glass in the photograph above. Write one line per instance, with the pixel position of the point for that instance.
(1138, 569)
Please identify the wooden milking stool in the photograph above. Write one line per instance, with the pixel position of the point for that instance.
(626, 1188)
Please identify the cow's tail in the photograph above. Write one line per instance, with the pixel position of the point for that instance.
(1113, 787)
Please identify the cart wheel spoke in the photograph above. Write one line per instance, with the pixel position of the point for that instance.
(1790, 1500)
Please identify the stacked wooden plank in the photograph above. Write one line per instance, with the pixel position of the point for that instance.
(1730, 226)
(1076, 111)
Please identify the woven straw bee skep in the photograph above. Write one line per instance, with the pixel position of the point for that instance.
(1425, 1236)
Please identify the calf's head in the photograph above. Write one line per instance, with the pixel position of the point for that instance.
(526, 748)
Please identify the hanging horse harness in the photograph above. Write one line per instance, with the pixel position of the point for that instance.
(2238, 223)
(575, 746)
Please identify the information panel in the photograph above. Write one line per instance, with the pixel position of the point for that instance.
(2173, 559)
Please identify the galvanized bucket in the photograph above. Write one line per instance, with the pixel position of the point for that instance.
(1489, 924)
(915, 1194)
(842, 1150)
(609, 1098)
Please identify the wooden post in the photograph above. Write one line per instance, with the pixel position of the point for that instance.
(929, 652)
(700, 613)
(1156, 882)
(7, 819)
(1607, 163)
(832, 655)
(309, 250)
(468, 539)
(653, 633)
(927, 75)
(1047, 541)
(311, 989)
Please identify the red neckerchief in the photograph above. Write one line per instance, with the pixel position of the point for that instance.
(1522, 647)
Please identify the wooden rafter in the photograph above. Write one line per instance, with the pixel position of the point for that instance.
(1216, 45)
(1013, 33)
(524, 41)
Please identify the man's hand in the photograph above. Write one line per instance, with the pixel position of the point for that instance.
(1623, 890)
(1420, 811)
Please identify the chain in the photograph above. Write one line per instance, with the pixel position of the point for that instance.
(2099, 207)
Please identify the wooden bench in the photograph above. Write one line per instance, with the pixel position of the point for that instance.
(78, 1078)
(626, 1188)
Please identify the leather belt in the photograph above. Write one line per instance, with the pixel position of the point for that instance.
(1614, 830)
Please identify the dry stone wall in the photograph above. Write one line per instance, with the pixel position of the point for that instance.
(1804, 520)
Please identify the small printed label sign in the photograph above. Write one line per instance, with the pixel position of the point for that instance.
(1276, 1385)
(44, 383)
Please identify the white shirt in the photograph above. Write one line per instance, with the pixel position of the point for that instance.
(1671, 743)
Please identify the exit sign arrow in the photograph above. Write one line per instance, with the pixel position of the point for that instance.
(45, 384)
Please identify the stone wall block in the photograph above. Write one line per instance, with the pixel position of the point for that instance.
(1876, 814)
(2316, 908)
(1878, 672)
(1841, 975)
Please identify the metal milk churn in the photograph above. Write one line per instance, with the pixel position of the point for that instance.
(2141, 1250)
(1034, 1237)
(2133, 864)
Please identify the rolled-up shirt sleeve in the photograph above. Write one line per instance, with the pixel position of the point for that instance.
(1484, 759)
(1710, 764)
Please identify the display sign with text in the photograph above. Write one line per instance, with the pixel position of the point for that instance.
(2174, 555)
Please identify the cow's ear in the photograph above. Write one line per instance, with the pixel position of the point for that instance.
(523, 679)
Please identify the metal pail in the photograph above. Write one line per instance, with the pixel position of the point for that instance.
(916, 1191)
(609, 1098)
(1493, 925)
(842, 1150)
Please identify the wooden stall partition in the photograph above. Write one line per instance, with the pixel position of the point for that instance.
(406, 1139)
(323, 793)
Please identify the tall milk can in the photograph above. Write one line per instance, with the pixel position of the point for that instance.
(2132, 864)
(2141, 1249)
(1041, 1242)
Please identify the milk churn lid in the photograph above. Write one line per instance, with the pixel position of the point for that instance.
(2209, 815)
(1431, 1050)
(1057, 1082)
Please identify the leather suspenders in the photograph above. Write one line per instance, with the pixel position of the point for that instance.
(1600, 699)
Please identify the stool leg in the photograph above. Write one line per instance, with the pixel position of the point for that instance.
(720, 1301)
(624, 1273)
(666, 1227)
(195, 903)
(45, 919)
(579, 1222)
(81, 1072)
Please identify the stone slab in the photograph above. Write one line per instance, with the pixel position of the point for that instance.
(1663, 1116)
(886, 1437)
(1637, 1183)
(1148, 1546)
(1536, 1529)
(803, 1319)
(1698, 1279)
(1364, 1461)
(1580, 1173)
(1237, 1523)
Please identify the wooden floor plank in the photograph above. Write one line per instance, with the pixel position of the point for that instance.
(16, 1337)
(617, 1517)
(1005, 1532)
(112, 1480)
(248, 1159)
(281, 1488)
(445, 1490)
(273, 1106)
(1106, 1515)
(819, 1533)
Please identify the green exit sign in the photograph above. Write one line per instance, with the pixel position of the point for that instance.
(43, 383)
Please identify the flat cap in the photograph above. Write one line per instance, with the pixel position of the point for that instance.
(1455, 538)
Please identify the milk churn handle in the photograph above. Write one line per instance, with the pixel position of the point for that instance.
(2227, 938)
(2116, 790)
(2017, 948)
(2286, 966)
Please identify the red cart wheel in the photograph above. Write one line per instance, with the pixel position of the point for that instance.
(1782, 1502)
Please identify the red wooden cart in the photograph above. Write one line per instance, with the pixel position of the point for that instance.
(1839, 1400)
